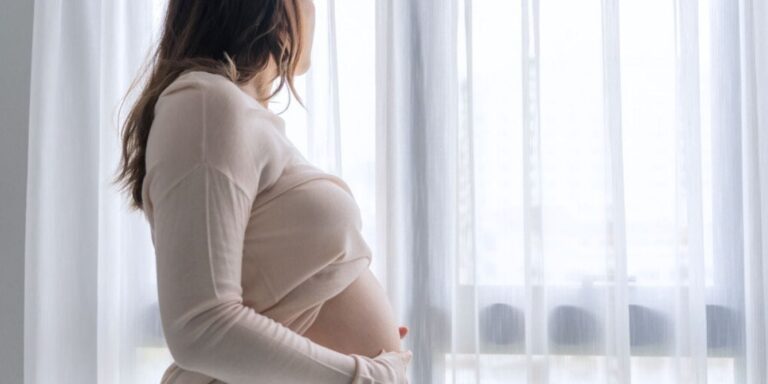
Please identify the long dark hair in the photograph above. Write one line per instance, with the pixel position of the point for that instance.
(234, 38)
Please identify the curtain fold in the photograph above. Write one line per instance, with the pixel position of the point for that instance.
(690, 308)
(419, 108)
(754, 15)
(91, 308)
(324, 136)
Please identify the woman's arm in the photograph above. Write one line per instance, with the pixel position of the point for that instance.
(207, 166)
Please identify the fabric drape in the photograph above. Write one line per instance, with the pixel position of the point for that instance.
(91, 297)
(580, 200)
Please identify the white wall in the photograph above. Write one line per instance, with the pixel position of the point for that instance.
(15, 58)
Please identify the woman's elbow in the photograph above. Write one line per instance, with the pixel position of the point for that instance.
(194, 336)
(181, 344)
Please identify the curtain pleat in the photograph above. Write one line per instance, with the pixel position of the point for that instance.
(755, 162)
(690, 307)
(420, 133)
(324, 136)
(91, 311)
(536, 339)
(617, 315)
(62, 226)
(727, 179)
(465, 334)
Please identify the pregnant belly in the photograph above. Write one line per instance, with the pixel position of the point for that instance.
(359, 320)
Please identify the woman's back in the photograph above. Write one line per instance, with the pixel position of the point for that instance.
(240, 221)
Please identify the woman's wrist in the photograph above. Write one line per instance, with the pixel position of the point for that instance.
(385, 368)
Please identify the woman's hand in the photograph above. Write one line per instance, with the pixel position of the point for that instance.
(384, 368)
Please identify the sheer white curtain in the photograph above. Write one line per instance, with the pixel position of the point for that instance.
(575, 191)
(91, 300)
(556, 191)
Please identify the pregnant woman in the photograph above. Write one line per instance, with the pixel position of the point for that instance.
(263, 275)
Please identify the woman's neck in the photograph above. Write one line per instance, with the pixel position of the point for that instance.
(260, 86)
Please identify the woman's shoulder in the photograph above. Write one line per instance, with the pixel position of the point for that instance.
(211, 88)
(200, 79)
(206, 118)
(217, 100)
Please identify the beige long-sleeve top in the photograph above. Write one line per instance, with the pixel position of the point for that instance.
(250, 240)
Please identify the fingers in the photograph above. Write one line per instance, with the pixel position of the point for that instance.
(408, 355)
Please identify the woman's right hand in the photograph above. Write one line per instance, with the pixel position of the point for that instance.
(384, 368)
